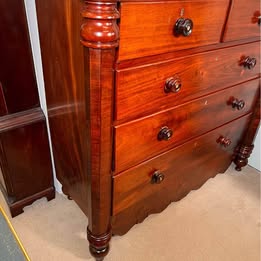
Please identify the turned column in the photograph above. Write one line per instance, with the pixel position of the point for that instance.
(245, 149)
(100, 36)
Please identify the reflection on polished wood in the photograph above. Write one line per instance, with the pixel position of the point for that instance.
(17, 76)
(139, 115)
(25, 162)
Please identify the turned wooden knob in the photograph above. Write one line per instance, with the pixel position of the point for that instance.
(225, 142)
(172, 84)
(165, 133)
(238, 104)
(183, 27)
(157, 177)
(249, 63)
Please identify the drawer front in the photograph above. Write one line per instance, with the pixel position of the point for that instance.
(184, 168)
(141, 91)
(148, 28)
(243, 21)
(139, 140)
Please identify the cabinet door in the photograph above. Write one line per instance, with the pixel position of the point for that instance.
(17, 77)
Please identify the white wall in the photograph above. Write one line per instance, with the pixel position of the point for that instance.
(35, 43)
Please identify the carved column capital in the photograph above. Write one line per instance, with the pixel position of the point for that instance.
(100, 30)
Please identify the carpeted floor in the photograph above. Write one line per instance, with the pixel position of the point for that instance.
(11, 248)
(218, 222)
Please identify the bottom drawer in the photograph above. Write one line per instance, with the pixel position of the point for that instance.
(152, 185)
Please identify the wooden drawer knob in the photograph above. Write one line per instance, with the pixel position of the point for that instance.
(157, 177)
(183, 27)
(225, 142)
(249, 63)
(165, 133)
(257, 18)
(172, 84)
(238, 104)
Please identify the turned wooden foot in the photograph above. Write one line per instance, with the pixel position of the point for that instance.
(243, 154)
(65, 192)
(99, 245)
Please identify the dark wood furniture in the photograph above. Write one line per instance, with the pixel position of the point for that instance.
(147, 101)
(26, 171)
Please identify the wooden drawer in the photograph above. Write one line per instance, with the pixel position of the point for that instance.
(140, 91)
(184, 168)
(243, 20)
(148, 28)
(138, 140)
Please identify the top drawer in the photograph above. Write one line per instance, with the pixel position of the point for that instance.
(148, 28)
(243, 21)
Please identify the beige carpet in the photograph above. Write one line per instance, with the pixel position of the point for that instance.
(219, 222)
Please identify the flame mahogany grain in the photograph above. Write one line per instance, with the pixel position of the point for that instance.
(186, 121)
(150, 34)
(63, 67)
(79, 97)
(136, 197)
(17, 76)
(246, 14)
(100, 34)
(25, 163)
(199, 75)
(102, 85)
(25, 159)
(147, 60)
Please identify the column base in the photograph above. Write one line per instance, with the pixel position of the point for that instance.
(99, 244)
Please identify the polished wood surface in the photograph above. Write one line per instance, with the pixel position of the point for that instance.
(17, 76)
(140, 90)
(79, 90)
(20, 119)
(135, 195)
(100, 147)
(25, 159)
(63, 66)
(186, 121)
(159, 102)
(246, 147)
(99, 85)
(147, 28)
(147, 60)
(243, 20)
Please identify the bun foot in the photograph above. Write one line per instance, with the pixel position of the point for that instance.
(99, 253)
(99, 245)
(65, 192)
(242, 156)
(238, 168)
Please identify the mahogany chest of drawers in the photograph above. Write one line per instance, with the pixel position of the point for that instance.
(147, 100)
